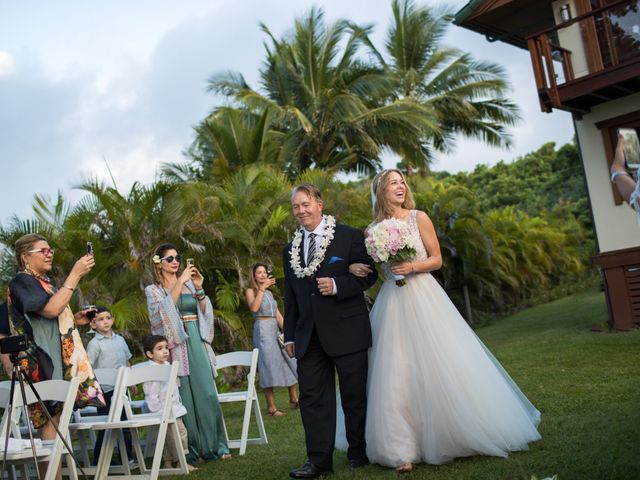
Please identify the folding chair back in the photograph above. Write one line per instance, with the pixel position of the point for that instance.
(141, 373)
(84, 418)
(249, 397)
(107, 376)
(50, 390)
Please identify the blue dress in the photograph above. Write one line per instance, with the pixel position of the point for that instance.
(275, 367)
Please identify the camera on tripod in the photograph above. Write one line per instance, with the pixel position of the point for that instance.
(14, 344)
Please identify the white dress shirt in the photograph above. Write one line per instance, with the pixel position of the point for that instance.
(155, 391)
(320, 235)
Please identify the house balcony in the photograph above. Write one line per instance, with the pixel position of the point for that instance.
(588, 60)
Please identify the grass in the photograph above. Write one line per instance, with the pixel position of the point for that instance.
(587, 386)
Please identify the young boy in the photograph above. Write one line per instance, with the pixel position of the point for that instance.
(156, 349)
(107, 349)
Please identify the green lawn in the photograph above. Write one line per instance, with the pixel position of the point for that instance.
(587, 386)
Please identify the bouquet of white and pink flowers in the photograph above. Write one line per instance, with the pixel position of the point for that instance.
(391, 241)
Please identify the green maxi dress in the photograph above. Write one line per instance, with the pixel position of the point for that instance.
(203, 420)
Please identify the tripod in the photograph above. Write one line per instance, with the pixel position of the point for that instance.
(18, 373)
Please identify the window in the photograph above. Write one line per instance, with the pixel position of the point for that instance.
(609, 130)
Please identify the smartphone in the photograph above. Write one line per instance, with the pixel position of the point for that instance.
(189, 262)
(270, 273)
(92, 311)
(631, 147)
(89, 248)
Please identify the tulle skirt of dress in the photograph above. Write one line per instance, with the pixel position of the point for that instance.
(435, 392)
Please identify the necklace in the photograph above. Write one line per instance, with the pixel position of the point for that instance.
(329, 230)
(43, 277)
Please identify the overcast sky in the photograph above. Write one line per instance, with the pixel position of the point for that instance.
(124, 81)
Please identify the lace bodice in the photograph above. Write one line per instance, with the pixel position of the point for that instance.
(421, 251)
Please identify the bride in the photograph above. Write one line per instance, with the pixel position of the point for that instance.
(435, 392)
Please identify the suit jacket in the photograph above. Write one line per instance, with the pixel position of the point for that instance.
(341, 321)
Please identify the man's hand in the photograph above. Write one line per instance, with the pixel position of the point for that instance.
(290, 348)
(325, 285)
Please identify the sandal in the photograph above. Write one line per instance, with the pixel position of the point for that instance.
(226, 456)
(405, 468)
(294, 405)
(276, 413)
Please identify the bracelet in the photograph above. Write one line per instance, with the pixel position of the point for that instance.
(201, 297)
(200, 291)
(70, 288)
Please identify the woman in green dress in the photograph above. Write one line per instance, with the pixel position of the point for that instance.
(180, 310)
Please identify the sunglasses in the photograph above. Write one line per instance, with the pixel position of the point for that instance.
(44, 251)
(171, 258)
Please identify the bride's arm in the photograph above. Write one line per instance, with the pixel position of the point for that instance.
(431, 244)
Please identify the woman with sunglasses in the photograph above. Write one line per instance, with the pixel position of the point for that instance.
(40, 311)
(180, 310)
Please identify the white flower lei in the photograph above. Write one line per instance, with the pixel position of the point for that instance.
(329, 230)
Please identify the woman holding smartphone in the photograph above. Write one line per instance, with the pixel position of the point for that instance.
(41, 311)
(180, 310)
(275, 367)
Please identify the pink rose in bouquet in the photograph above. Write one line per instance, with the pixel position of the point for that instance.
(391, 241)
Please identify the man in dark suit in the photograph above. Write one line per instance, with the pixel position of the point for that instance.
(326, 327)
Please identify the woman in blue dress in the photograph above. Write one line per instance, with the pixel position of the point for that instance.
(275, 367)
(180, 310)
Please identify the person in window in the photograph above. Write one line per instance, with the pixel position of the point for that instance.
(625, 182)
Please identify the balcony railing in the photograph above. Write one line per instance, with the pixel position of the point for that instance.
(589, 59)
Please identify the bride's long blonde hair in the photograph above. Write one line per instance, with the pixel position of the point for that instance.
(381, 207)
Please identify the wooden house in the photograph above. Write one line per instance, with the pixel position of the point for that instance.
(585, 58)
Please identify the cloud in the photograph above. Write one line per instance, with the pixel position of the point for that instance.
(137, 107)
(7, 64)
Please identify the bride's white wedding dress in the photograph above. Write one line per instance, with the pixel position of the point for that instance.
(435, 392)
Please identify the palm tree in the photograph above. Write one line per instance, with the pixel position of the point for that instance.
(228, 139)
(330, 107)
(466, 95)
(237, 221)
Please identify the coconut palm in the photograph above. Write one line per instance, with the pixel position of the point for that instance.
(466, 95)
(226, 140)
(331, 108)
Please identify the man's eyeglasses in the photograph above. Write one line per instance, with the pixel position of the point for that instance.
(171, 258)
(44, 251)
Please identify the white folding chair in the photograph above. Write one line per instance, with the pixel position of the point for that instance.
(84, 420)
(83, 417)
(53, 450)
(248, 396)
(163, 420)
